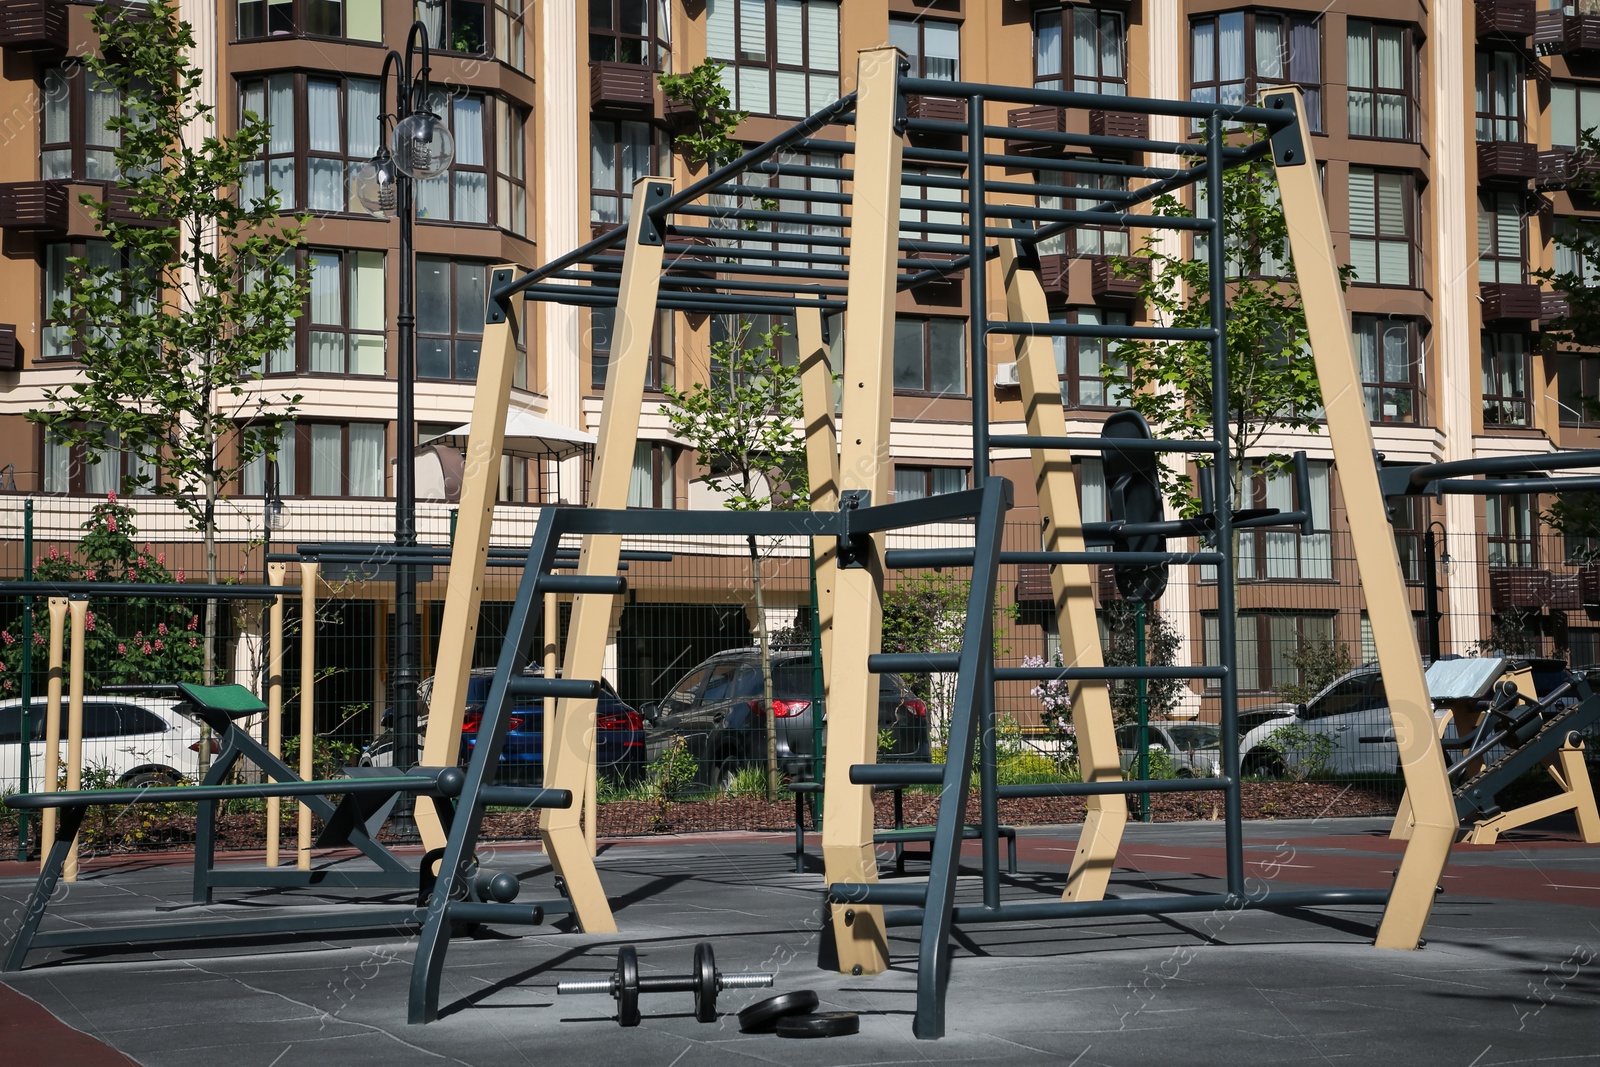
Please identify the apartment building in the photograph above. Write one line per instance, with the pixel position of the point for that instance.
(1448, 133)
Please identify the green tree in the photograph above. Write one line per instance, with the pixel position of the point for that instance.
(1320, 663)
(1161, 642)
(708, 134)
(199, 290)
(744, 428)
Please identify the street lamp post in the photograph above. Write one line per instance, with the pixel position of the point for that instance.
(420, 147)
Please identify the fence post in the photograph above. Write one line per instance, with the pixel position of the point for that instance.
(308, 681)
(52, 723)
(276, 573)
(79, 606)
(26, 736)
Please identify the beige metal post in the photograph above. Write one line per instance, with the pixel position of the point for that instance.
(276, 573)
(79, 610)
(822, 465)
(572, 739)
(52, 722)
(863, 465)
(1070, 583)
(1394, 635)
(469, 556)
(308, 705)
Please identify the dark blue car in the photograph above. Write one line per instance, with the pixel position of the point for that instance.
(620, 750)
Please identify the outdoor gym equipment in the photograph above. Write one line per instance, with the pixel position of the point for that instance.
(763, 1015)
(798, 259)
(705, 982)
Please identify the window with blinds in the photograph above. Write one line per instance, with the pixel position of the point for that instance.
(1237, 54)
(781, 56)
(1080, 48)
(1501, 236)
(1574, 112)
(1382, 226)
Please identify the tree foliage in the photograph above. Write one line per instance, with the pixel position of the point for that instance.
(708, 137)
(1161, 643)
(1272, 380)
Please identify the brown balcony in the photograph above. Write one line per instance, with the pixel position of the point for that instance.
(1589, 586)
(1557, 33)
(1506, 18)
(1119, 124)
(1519, 588)
(935, 261)
(35, 207)
(936, 108)
(1110, 287)
(119, 208)
(1566, 592)
(625, 87)
(10, 357)
(1510, 300)
(1560, 167)
(1053, 272)
(33, 25)
(1507, 162)
(1043, 119)
(1552, 308)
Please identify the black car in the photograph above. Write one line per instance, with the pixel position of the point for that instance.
(716, 709)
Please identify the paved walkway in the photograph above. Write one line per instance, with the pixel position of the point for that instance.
(1511, 973)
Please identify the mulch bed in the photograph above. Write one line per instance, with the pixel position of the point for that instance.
(169, 827)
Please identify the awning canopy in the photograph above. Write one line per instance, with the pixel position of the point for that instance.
(529, 435)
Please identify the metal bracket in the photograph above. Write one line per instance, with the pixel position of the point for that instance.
(498, 311)
(902, 117)
(853, 547)
(1288, 143)
(650, 228)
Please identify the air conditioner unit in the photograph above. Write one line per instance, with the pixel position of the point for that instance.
(1005, 376)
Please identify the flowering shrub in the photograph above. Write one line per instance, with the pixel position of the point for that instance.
(126, 640)
(1055, 711)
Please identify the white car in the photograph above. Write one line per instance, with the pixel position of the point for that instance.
(1195, 748)
(1350, 708)
(138, 740)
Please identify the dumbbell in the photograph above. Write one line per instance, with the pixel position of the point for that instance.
(625, 985)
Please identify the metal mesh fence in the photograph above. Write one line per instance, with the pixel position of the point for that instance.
(681, 740)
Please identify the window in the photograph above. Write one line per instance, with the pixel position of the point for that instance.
(312, 166)
(1265, 643)
(630, 31)
(79, 470)
(914, 185)
(786, 178)
(654, 482)
(463, 194)
(1574, 248)
(930, 356)
(1502, 253)
(620, 153)
(1382, 226)
(1583, 647)
(455, 25)
(919, 483)
(347, 314)
(781, 56)
(1381, 94)
(660, 370)
(74, 141)
(1505, 379)
(359, 20)
(511, 168)
(451, 301)
(1095, 61)
(933, 47)
(1085, 240)
(1237, 54)
(1574, 111)
(1407, 516)
(255, 477)
(54, 340)
(1579, 383)
(1499, 96)
(1509, 522)
(1390, 363)
(341, 459)
(1285, 554)
(1082, 362)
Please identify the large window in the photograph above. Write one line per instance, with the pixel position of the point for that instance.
(1505, 379)
(1084, 240)
(456, 25)
(451, 300)
(272, 100)
(781, 56)
(660, 370)
(1080, 48)
(1509, 524)
(511, 168)
(58, 273)
(1502, 252)
(1383, 226)
(1578, 380)
(933, 47)
(1381, 91)
(1571, 260)
(919, 483)
(620, 153)
(359, 20)
(257, 476)
(1266, 643)
(315, 168)
(630, 31)
(341, 459)
(930, 356)
(914, 185)
(1390, 358)
(347, 322)
(83, 471)
(1499, 96)
(1406, 517)
(786, 178)
(1274, 554)
(1574, 111)
(1082, 362)
(654, 482)
(1237, 54)
(74, 140)
(463, 194)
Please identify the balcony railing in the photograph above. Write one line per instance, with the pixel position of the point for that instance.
(1557, 33)
(1507, 162)
(626, 87)
(1097, 122)
(1552, 308)
(936, 108)
(33, 25)
(35, 207)
(1534, 589)
(1560, 168)
(10, 357)
(1506, 18)
(1510, 300)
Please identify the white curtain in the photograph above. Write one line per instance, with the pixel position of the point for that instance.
(366, 313)
(1092, 491)
(366, 459)
(57, 125)
(1203, 67)
(1391, 74)
(789, 23)
(1085, 48)
(57, 465)
(327, 309)
(909, 484)
(1047, 49)
(753, 29)
(325, 187)
(431, 14)
(105, 476)
(1230, 51)
(363, 102)
(640, 480)
(1269, 48)
(468, 130)
(327, 460)
(948, 480)
(104, 104)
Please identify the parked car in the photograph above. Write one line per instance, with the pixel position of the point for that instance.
(717, 710)
(137, 740)
(1352, 712)
(1195, 748)
(619, 730)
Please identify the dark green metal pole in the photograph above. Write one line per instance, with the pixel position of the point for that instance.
(1142, 704)
(816, 692)
(26, 785)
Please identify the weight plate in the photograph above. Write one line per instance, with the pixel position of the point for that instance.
(760, 1017)
(627, 986)
(820, 1024)
(705, 983)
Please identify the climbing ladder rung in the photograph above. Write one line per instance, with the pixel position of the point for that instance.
(569, 688)
(897, 773)
(1045, 674)
(877, 893)
(519, 796)
(582, 583)
(913, 662)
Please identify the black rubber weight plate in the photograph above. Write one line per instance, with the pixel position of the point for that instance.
(763, 1014)
(821, 1024)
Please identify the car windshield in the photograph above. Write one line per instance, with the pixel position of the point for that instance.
(1196, 735)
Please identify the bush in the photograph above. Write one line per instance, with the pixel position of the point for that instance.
(749, 782)
(1306, 754)
(1319, 663)
(329, 758)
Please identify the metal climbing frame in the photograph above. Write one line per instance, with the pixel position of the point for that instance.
(834, 243)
